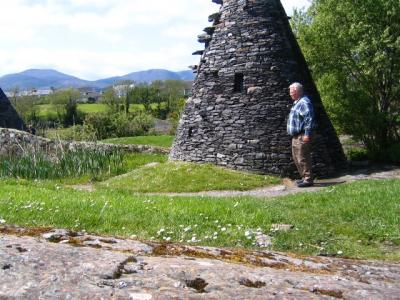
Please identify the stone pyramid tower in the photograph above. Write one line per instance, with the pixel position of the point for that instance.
(9, 117)
(237, 114)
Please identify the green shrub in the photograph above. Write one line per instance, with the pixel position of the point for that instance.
(100, 125)
(73, 133)
(141, 124)
(106, 125)
(357, 154)
(393, 154)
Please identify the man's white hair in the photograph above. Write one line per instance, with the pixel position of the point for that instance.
(298, 87)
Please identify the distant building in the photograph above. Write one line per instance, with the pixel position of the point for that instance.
(121, 89)
(31, 92)
(88, 95)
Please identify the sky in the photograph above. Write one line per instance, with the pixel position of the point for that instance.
(94, 39)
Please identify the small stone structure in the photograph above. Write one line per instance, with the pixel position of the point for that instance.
(9, 117)
(237, 114)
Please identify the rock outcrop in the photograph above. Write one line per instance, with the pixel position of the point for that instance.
(67, 265)
(237, 114)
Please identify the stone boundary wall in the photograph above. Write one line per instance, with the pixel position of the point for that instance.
(16, 142)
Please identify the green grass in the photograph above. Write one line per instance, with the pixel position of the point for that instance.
(187, 177)
(154, 140)
(63, 164)
(359, 220)
(46, 110)
(92, 108)
(130, 162)
(134, 161)
(78, 167)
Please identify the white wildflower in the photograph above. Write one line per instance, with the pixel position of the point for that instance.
(160, 231)
(2, 221)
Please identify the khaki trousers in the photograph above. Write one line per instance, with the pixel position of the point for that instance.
(301, 152)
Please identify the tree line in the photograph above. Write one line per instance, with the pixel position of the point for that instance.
(353, 50)
(159, 99)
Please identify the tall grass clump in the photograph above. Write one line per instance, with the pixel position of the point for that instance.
(37, 164)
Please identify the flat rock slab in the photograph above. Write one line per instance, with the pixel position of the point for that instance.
(82, 266)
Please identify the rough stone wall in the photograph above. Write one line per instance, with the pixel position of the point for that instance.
(237, 114)
(9, 117)
(16, 142)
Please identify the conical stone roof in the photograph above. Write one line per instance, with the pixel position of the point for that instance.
(237, 114)
(9, 117)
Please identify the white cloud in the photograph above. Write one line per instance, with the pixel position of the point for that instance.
(290, 4)
(98, 38)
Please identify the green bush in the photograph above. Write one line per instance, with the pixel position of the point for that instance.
(101, 125)
(73, 133)
(393, 154)
(105, 125)
(141, 124)
(357, 154)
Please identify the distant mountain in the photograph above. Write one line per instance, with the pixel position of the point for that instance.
(45, 79)
(40, 79)
(148, 76)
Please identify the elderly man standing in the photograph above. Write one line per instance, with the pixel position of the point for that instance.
(300, 126)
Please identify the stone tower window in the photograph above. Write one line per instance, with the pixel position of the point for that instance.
(239, 83)
(190, 133)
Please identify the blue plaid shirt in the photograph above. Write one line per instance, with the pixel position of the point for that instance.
(301, 118)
